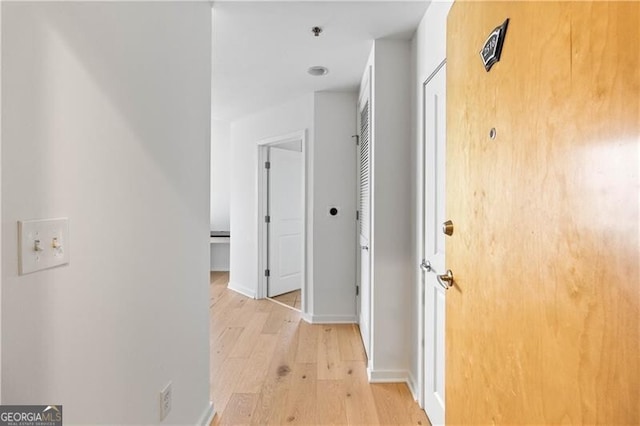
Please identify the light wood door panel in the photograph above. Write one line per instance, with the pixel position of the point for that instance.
(542, 324)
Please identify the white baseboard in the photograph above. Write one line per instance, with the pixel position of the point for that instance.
(388, 376)
(207, 416)
(330, 319)
(245, 291)
(215, 268)
(413, 386)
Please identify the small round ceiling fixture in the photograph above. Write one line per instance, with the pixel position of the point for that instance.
(316, 31)
(318, 71)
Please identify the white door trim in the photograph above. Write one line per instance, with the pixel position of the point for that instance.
(366, 326)
(262, 208)
(421, 231)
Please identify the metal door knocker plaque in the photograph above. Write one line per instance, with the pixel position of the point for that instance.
(492, 48)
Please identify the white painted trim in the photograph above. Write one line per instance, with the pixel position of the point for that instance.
(301, 135)
(330, 319)
(289, 137)
(365, 82)
(243, 290)
(261, 230)
(366, 94)
(413, 386)
(421, 232)
(420, 203)
(207, 416)
(388, 376)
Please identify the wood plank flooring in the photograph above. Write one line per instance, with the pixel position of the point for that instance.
(269, 367)
(293, 299)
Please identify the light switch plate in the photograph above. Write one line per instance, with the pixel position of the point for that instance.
(42, 244)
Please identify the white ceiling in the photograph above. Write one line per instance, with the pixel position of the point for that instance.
(262, 50)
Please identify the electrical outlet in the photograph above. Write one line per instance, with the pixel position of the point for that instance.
(165, 401)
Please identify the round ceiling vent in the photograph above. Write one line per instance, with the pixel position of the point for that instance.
(318, 71)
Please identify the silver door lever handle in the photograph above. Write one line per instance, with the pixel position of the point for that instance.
(446, 280)
(425, 266)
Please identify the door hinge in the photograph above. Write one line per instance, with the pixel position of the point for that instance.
(357, 214)
(267, 219)
(267, 273)
(267, 164)
(357, 290)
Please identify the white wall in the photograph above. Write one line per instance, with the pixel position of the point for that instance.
(290, 117)
(106, 117)
(428, 49)
(220, 190)
(390, 247)
(220, 184)
(0, 205)
(330, 120)
(334, 238)
(220, 257)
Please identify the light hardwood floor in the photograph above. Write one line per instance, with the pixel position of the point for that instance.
(270, 367)
(293, 299)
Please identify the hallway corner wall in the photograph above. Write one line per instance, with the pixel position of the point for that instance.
(334, 239)
(390, 244)
(329, 118)
(246, 132)
(106, 121)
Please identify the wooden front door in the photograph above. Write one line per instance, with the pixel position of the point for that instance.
(542, 323)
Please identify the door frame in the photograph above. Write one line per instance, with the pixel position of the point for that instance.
(262, 208)
(365, 95)
(421, 231)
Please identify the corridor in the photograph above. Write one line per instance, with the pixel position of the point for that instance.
(268, 366)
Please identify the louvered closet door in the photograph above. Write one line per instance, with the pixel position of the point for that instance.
(365, 223)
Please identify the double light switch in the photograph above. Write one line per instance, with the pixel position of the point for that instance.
(42, 244)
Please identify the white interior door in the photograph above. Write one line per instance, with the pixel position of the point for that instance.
(434, 241)
(285, 236)
(364, 234)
